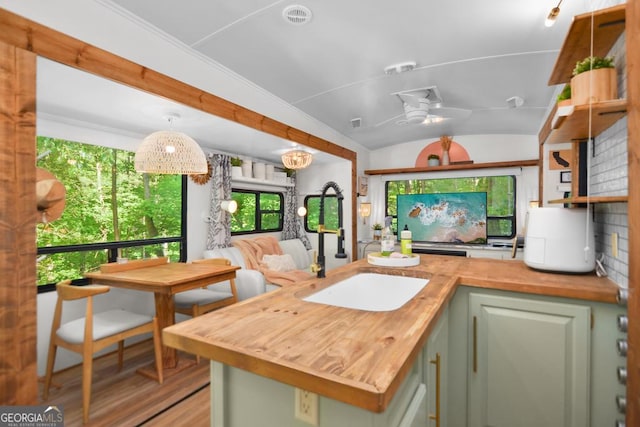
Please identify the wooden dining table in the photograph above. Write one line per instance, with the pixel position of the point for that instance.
(164, 279)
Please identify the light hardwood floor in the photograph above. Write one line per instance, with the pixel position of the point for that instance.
(126, 398)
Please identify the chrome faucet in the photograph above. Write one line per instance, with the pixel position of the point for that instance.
(319, 266)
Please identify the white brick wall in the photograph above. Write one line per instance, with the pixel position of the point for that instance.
(608, 176)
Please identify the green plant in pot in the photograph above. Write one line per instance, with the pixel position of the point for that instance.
(564, 97)
(433, 160)
(236, 161)
(377, 230)
(236, 167)
(594, 80)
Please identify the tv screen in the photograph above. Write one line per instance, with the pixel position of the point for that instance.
(444, 217)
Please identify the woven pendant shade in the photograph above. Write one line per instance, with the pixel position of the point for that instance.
(170, 152)
(296, 159)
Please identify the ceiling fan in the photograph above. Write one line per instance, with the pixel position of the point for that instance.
(424, 106)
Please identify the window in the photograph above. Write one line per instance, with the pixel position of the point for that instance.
(501, 198)
(258, 212)
(111, 211)
(311, 221)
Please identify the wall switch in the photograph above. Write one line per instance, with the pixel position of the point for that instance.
(306, 406)
(614, 245)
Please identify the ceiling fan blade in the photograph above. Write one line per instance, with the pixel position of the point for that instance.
(450, 112)
(384, 122)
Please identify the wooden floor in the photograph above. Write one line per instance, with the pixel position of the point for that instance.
(129, 399)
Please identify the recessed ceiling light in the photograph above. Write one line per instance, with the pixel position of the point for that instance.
(297, 14)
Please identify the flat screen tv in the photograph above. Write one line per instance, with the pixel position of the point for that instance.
(444, 217)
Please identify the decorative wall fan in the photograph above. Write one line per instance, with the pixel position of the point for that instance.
(202, 178)
(424, 106)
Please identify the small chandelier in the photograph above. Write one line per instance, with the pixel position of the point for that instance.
(170, 152)
(296, 159)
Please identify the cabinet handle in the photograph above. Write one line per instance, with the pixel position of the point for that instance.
(436, 417)
(475, 344)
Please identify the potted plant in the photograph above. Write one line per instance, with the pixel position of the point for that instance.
(433, 160)
(564, 97)
(236, 167)
(377, 231)
(594, 80)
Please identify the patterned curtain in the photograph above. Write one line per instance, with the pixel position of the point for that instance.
(219, 233)
(293, 228)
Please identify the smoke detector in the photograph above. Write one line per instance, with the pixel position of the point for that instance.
(296, 14)
(402, 67)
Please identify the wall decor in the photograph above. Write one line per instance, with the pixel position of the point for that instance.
(363, 185)
(565, 177)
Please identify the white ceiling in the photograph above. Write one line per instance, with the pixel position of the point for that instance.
(478, 54)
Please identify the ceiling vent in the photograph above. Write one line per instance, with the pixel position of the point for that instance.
(297, 14)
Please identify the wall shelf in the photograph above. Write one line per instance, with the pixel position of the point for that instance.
(466, 166)
(253, 183)
(592, 199)
(575, 126)
(609, 24)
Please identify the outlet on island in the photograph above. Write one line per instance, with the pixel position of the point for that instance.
(306, 406)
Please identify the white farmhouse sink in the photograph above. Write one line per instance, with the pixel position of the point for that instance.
(370, 292)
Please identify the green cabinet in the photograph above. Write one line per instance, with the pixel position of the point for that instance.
(435, 368)
(529, 363)
(519, 359)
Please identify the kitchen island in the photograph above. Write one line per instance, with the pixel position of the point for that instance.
(360, 358)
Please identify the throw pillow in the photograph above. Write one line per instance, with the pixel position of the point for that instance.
(279, 262)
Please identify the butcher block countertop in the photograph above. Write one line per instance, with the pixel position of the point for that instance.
(357, 357)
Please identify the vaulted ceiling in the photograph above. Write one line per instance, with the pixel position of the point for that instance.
(477, 54)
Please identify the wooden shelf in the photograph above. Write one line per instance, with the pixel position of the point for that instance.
(467, 166)
(593, 199)
(609, 24)
(575, 127)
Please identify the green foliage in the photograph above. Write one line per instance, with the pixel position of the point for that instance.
(565, 94)
(236, 161)
(376, 226)
(500, 197)
(106, 200)
(257, 211)
(313, 213)
(593, 63)
(433, 156)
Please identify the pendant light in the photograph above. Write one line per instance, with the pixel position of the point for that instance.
(296, 159)
(170, 152)
(551, 18)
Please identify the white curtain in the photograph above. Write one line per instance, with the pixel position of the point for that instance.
(219, 233)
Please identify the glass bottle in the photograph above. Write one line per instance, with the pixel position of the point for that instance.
(387, 241)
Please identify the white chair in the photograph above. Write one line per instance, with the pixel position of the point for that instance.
(93, 333)
(195, 302)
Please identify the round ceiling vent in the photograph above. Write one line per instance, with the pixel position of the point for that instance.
(296, 14)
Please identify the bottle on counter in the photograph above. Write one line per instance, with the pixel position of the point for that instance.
(405, 241)
(387, 240)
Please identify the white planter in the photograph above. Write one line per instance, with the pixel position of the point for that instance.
(268, 172)
(236, 171)
(259, 170)
(247, 166)
(433, 162)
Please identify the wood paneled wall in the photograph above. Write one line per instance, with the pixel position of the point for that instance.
(18, 361)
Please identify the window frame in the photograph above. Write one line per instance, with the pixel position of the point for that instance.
(306, 205)
(259, 212)
(511, 218)
(112, 247)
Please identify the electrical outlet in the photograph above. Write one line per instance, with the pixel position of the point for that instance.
(614, 245)
(306, 406)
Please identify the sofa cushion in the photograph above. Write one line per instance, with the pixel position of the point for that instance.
(296, 249)
(279, 262)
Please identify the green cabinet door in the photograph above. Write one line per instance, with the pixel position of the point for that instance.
(529, 363)
(435, 368)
